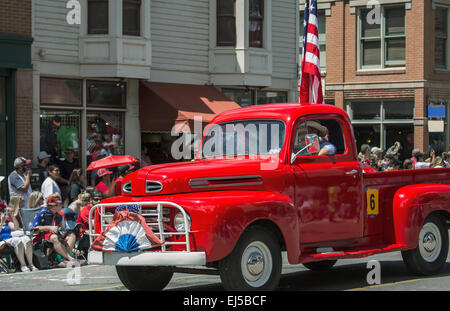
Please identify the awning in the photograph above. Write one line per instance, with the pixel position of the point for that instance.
(165, 105)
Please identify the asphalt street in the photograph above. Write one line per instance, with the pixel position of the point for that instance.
(346, 275)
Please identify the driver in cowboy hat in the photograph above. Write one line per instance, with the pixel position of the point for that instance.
(314, 127)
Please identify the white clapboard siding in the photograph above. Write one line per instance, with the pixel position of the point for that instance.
(180, 35)
(52, 32)
(284, 63)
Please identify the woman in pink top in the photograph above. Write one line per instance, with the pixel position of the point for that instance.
(104, 184)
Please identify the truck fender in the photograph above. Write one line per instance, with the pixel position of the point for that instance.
(411, 206)
(229, 221)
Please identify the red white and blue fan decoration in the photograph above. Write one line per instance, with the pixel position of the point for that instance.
(127, 233)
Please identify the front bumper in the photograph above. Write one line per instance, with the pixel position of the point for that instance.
(147, 258)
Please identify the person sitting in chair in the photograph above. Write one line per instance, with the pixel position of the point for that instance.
(49, 221)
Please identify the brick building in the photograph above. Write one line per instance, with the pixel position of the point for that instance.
(386, 62)
(15, 85)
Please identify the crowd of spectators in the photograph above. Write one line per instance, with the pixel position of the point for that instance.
(58, 193)
(374, 159)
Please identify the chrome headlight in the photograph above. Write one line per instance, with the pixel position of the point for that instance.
(178, 222)
(126, 188)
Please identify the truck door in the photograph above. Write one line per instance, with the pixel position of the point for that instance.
(328, 188)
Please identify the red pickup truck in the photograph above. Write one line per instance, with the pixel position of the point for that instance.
(274, 178)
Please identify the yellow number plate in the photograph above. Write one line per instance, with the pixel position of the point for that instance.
(372, 201)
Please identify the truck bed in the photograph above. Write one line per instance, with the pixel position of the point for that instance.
(380, 226)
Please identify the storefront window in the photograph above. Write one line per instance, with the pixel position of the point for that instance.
(59, 131)
(60, 92)
(249, 97)
(242, 97)
(382, 123)
(403, 133)
(398, 110)
(105, 94)
(104, 135)
(366, 134)
(366, 111)
(268, 97)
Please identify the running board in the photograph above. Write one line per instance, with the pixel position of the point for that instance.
(352, 254)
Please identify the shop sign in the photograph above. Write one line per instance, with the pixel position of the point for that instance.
(436, 111)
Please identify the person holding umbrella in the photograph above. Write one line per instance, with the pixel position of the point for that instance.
(103, 183)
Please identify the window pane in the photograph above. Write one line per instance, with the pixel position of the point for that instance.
(225, 7)
(322, 24)
(255, 33)
(323, 57)
(104, 135)
(110, 94)
(367, 134)
(60, 92)
(440, 52)
(97, 17)
(268, 97)
(131, 17)
(395, 49)
(403, 133)
(366, 111)
(440, 22)
(226, 31)
(240, 138)
(437, 142)
(330, 127)
(368, 30)
(395, 20)
(59, 131)
(256, 8)
(371, 53)
(440, 39)
(256, 18)
(398, 110)
(242, 97)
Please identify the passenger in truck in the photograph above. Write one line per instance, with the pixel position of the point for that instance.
(314, 127)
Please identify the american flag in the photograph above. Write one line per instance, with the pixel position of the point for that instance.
(310, 81)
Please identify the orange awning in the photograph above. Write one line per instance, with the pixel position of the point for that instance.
(165, 105)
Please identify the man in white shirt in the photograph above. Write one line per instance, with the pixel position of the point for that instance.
(49, 186)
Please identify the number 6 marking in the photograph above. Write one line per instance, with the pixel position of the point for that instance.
(372, 202)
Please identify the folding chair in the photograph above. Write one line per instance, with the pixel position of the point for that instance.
(27, 216)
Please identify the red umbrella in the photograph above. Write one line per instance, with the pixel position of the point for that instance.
(111, 161)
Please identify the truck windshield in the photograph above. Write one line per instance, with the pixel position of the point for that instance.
(244, 138)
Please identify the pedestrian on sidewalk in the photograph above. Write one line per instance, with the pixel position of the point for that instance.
(19, 181)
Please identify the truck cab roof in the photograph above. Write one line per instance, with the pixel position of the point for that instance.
(283, 111)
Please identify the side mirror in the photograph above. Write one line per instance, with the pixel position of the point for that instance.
(312, 141)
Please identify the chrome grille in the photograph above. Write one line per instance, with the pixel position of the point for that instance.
(157, 216)
(152, 186)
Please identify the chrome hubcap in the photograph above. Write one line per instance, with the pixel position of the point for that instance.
(429, 242)
(255, 263)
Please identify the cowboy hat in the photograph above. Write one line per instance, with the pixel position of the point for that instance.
(316, 125)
